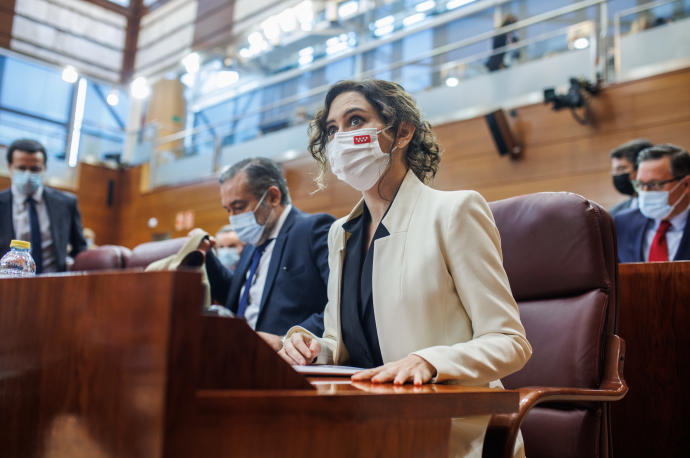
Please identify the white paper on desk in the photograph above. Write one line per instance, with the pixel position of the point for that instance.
(327, 369)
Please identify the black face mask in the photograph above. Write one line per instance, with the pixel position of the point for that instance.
(623, 185)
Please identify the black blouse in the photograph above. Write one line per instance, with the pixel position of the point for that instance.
(358, 323)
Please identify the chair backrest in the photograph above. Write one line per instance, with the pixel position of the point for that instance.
(559, 251)
(146, 253)
(105, 257)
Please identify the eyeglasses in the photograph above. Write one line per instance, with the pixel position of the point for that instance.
(652, 185)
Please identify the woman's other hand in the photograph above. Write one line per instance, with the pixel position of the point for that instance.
(412, 368)
(300, 349)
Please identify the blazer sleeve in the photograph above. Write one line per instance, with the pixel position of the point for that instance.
(76, 233)
(319, 257)
(472, 250)
(328, 340)
(219, 277)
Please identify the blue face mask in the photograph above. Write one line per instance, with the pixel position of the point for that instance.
(248, 230)
(228, 256)
(654, 204)
(27, 182)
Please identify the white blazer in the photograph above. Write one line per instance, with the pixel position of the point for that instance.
(439, 291)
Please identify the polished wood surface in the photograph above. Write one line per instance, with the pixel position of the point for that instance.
(654, 318)
(92, 195)
(242, 366)
(84, 371)
(123, 364)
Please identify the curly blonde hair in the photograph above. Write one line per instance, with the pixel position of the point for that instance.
(394, 105)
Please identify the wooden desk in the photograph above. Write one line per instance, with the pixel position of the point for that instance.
(124, 365)
(654, 320)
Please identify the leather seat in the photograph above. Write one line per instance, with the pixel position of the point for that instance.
(559, 251)
(105, 257)
(148, 252)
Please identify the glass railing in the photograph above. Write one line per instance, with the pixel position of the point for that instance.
(651, 38)
(572, 34)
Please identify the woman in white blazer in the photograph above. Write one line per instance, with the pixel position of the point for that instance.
(417, 291)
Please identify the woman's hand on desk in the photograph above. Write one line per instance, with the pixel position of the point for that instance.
(412, 368)
(300, 349)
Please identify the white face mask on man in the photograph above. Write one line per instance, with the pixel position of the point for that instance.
(356, 157)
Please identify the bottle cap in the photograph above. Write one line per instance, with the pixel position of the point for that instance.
(20, 244)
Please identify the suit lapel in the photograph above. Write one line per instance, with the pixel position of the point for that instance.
(683, 252)
(238, 277)
(276, 258)
(55, 212)
(640, 235)
(6, 221)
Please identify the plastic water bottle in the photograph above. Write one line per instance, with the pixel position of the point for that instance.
(18, 261)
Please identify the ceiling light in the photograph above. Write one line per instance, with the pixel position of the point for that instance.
(113, 99)
(70, 74)
(139, 88)
(76, 123)
(306, 51)
(246, 53)
(304, 12)
(425, 6)
(415, 18)
(384, 21)
(271, 29)
(287, 20)
(348, 9)
(385, 30)
(581, 43)
(452, 4)
(452, 81)
(305, 59)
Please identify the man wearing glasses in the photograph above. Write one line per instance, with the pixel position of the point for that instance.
(658, 230)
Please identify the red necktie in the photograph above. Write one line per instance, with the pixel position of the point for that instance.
(659, 250)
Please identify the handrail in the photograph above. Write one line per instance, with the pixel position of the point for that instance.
(372, 44)
(430, 54)
(487, 35)
(644, 7)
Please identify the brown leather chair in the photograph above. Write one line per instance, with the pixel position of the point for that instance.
(146, 253)
(559, 251)
(105, 257)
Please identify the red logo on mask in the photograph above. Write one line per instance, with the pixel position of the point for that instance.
(361, 139)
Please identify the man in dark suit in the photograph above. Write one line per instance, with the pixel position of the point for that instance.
(624, 171)
(658, 230)
(281, 277)
(30, 211)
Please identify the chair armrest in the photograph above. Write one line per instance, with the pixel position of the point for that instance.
(503, 428)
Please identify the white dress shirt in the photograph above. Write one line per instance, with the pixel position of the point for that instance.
(22, 227)
(257, 287)
(673, 235)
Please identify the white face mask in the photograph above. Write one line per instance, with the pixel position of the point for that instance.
(356, 157)
(654, 204)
